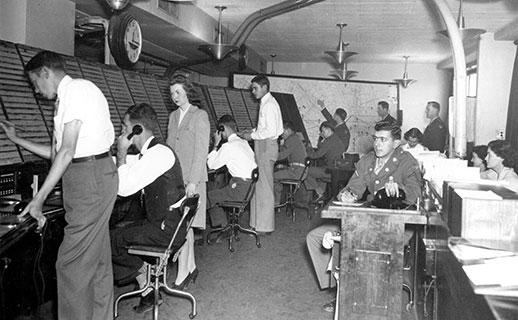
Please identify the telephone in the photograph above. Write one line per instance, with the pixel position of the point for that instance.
(221, 128)
(135, 131)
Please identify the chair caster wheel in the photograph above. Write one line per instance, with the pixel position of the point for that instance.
(237, 238)
(210, 242)
(258, 245)
(191, 316)
(409, 306)
(231, 249)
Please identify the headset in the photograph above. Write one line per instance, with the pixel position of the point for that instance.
(135, 131)
(221, 128)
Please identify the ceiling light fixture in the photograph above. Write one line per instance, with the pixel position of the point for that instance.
(340, 55)
(219, 50)
(117, 4)
(465, 34)
(405, 82)
(273, 55)
(344, 74)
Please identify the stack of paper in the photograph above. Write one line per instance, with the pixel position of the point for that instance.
(497, 276)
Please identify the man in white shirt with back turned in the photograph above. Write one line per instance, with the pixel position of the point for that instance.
(239, 158)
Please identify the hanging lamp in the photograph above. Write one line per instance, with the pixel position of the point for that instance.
(465, 34)
(117, 4)
(344, 74)
(218, 50)
(340, 54)
(273, 55)
(405, 81)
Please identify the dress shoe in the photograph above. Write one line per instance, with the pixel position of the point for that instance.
(185, 283)
(146, 303)
(330, 306)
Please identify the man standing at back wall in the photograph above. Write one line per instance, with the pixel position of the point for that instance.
(83, 134)
(434, 137)
(269, 128)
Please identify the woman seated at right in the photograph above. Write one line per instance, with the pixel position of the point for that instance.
(478, 157)
(502, 158)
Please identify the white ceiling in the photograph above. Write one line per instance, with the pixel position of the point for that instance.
(379, 30)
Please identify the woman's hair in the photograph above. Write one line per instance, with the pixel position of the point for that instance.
(481, 152)
(190, 90)
(414, 133)
(504, 150)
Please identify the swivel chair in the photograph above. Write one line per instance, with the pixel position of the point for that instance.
(156, 274)
(294, 186)
(234, 210)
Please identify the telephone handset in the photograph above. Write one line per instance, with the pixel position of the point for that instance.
(137, 129)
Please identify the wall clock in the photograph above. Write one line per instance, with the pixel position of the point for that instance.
(125, 39)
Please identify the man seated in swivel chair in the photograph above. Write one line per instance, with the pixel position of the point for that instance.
(239, 158)
(330, 148)
(292, 148)
(157, 173)
(388, 167)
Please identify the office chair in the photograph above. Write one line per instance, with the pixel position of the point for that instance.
(294, 186)
(157, 272)
(234, 210)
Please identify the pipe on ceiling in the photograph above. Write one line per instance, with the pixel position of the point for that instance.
(459, 81)
(249, 24)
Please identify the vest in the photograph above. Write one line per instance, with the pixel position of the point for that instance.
(166, 190)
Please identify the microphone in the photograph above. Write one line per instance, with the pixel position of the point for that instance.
(137, 129)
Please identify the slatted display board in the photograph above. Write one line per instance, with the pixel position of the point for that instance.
(237, 104)
(18, 106)
(119, 93)
(34, 114)
(155, 98)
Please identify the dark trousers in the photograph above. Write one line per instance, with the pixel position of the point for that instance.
(142, 232)
(234, 191)
(83, 267)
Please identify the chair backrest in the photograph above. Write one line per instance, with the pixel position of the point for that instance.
(188, 210)
(251, 188)
(307, 163)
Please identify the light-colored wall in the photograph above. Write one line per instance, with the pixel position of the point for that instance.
(495, 67)
(432, 84)
(45, 24)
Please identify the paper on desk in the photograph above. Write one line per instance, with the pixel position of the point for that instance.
(478, 194)
(494, 272)
(466, 252)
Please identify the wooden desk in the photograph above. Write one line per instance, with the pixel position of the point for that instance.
(339, 178)
(371, 261)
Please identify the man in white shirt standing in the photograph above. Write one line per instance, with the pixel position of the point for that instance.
(239, 158)
(269, 128)
(82, 137)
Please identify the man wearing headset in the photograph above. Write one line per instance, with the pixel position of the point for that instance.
(157, 173)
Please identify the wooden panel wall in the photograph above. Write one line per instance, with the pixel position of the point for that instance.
(30, 111)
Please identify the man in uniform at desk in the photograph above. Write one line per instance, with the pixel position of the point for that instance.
(329, 149)
(158, 174)
(292, 148)
(239, 159)
(83, 135)
(389, 167)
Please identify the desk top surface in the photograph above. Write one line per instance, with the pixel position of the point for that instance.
(336, 211)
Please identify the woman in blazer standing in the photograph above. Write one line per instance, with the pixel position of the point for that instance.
(188, 133)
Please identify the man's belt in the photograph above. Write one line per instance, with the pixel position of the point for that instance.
(297, 164)
(91, 158)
